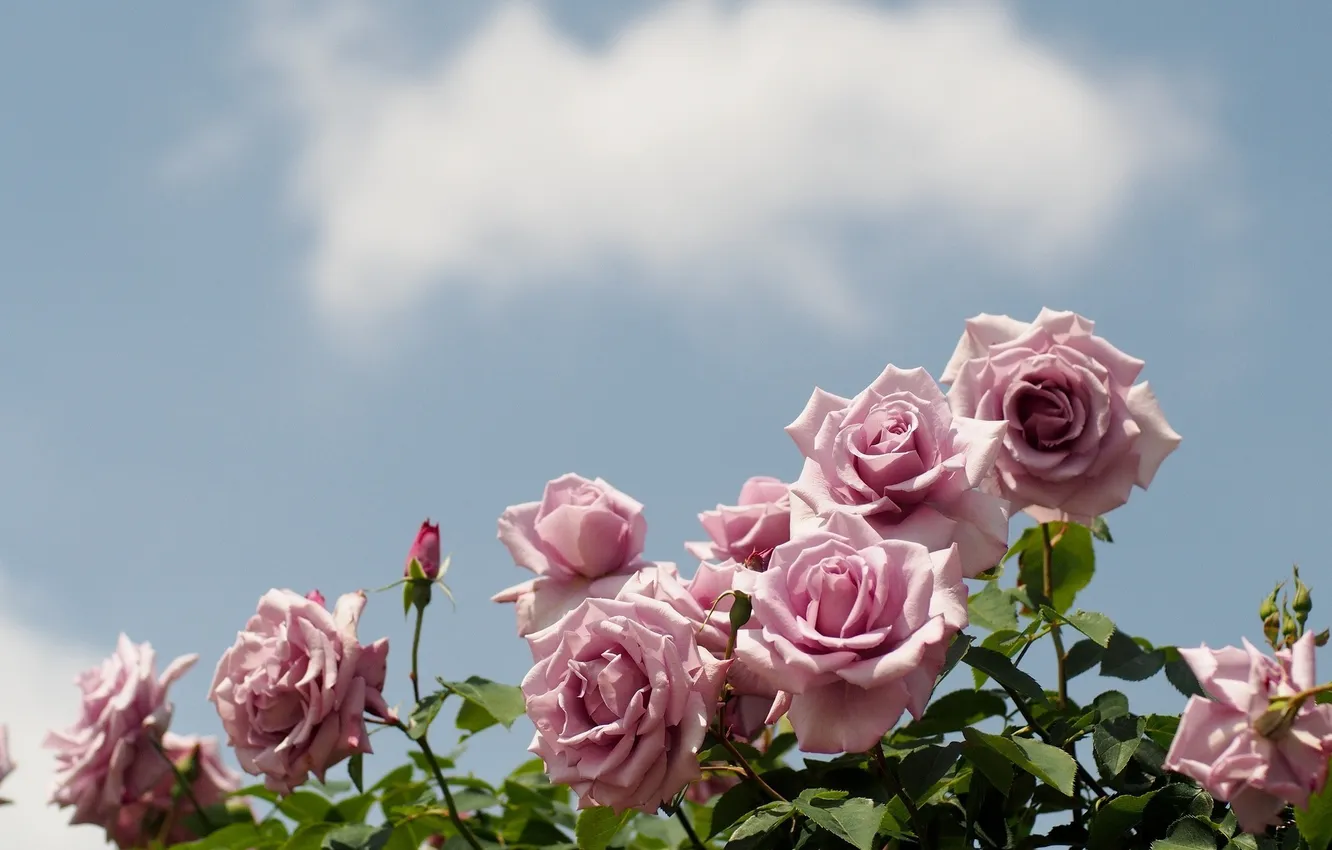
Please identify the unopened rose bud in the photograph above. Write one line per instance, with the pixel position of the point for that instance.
(1272, 627)
(316, 597)
(424, 551)
(1290, 629)
(1302, 604)
(435, 841)
(1269, 606)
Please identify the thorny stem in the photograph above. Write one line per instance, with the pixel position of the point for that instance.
(894, 786)
(424, 744)
(1047, 580)
(1048, 738)
(183, 782)
(689, 829)
(416, 647)
(749, 769)
(457, 821)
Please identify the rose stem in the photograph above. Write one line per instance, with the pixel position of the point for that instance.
(183, 781)
(424, 744)
(894, 786)
(689, 828)
(1047, 577)
(416, 647)
(749, 769)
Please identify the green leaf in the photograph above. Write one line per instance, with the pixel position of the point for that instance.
(956, 710)
(418, 725)
(1114, 742)
(596, 827)
(1110, 705)
(1081, 657)
(1072, 563)
(1096, 626)
(305, 806)
(358, 837)
(855, 820)
(997, 666)
(1114, 819)
(308, 837)
(1190, 833)
(1051, 765)
(472, 718)
(761, 823)
(1100, 530)
(504, 703)
(1172, 802)
(956, 649)
(734, 804)
(995, 767)
(1315, 820)
(924, 767)
(1180, 674)
(993, 609)
(1125, 659)
(351, 809)
(355, 764)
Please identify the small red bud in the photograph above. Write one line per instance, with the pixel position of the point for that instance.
(425, 551)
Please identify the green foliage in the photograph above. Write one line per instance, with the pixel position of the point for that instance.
(597, 827)
(485, 703)
(1072, 562)
(855, 820)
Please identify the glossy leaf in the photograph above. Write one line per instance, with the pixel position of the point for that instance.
(855, 820)
(1049, 764)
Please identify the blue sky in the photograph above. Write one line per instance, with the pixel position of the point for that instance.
(282, 280)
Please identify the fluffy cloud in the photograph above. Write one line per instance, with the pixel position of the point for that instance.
(38, 670)
(707, 149)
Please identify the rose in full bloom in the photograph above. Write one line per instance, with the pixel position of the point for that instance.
(425, 551)
(854, 631)
(294, 689)
(1221, 742)
(583, 539)
(140, 822)
(621, 697)
(746, 711)
(760, 521)
(108, 759)
(1078, 433)
(896, 456)
(6, 761)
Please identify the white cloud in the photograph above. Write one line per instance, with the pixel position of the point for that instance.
(38, 670)
(705, 149)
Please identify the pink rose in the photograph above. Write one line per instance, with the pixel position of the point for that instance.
(140, 822)
(621, 697)
(761, 521)
(107, 759)
(425, 551)
(1078, 433)
(1219, 746)
(747, 709)
(897, 456)
(6, 761)
(583, 539)
(854, 631)
(293, 690)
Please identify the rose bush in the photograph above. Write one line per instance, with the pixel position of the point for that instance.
(868, 613)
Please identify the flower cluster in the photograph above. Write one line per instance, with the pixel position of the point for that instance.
(853, 574)
(823, 612)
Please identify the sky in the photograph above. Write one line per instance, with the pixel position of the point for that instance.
(283, 279)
